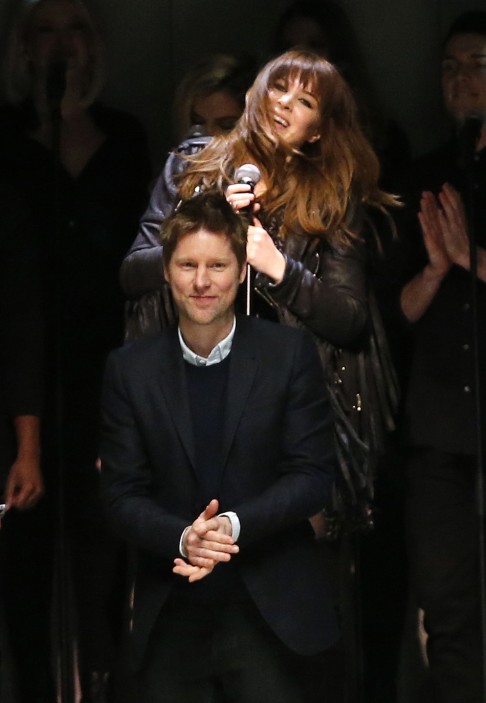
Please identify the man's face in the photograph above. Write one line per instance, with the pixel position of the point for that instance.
(464, 76)
(204, 276)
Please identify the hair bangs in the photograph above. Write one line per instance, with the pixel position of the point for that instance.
(296, 66)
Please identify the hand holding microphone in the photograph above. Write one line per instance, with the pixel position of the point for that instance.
(240, 195)
(262, 254)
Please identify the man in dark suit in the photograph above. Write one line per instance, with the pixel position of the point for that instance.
(216, 448)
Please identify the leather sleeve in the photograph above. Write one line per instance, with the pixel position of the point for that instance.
(141, 270)
(326, 292)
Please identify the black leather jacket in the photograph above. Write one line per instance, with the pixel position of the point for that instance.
(324, 288)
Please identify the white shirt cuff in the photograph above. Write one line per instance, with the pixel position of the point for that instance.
(235, 524)
(181, 542)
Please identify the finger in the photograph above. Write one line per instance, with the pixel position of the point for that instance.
(238, 203)
(221, 542)
(210, 510)
(199, 574)
(451, 192)
(216, 546)
(200, 527)
(236, 188)
(223, 553)
(182, 568)
(204, 557)
(195, 574)
(453, 208)
(430, 212)
(9, 492)
(22, 497)
(205, 521)
(206, 563)
(448, 204)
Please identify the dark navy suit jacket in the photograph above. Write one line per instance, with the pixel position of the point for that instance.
(278, 471)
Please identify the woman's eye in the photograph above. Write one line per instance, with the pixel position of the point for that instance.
(306, 102)
(280, 87)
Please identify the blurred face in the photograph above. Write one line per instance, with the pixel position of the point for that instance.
(59, 30)
(204, 276)
(464, 75)
(295, 112)
(217, 112)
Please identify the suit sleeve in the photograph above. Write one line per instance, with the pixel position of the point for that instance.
(126, 474)
(305, 473)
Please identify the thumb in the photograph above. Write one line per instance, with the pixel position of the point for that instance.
(210, 510)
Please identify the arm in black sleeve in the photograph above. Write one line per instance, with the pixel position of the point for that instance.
(141, 271)
(331, 303)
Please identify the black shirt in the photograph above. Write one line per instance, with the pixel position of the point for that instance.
(440, 405)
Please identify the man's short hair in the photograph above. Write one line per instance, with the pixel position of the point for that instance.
(208, 210)
(469, 22)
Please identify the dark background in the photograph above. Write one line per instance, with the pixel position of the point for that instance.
(150, 43)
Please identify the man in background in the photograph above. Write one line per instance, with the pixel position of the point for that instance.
(441, 424)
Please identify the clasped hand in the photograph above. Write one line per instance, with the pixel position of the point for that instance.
(207, 542)
(444, 230)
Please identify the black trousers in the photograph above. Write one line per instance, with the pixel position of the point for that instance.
(442, 535)
(222, 654)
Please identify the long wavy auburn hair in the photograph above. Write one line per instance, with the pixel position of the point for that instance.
(317, 188)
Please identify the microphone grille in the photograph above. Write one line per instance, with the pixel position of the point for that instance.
(248, 172)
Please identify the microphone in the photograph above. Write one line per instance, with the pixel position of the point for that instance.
(468, 138)
(56, 82)
(248, 174)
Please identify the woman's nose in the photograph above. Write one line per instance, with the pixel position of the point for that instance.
(285, 99)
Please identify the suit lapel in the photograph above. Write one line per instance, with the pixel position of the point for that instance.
(173, 384)
(242, 371)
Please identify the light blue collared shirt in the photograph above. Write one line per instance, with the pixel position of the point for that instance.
(218, 354)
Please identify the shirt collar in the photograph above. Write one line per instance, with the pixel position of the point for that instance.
(218, 354)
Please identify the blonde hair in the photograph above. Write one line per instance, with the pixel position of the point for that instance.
(316, 188)
(215, 73)
(18, 73)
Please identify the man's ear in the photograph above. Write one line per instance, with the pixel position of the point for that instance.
(243, 272)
